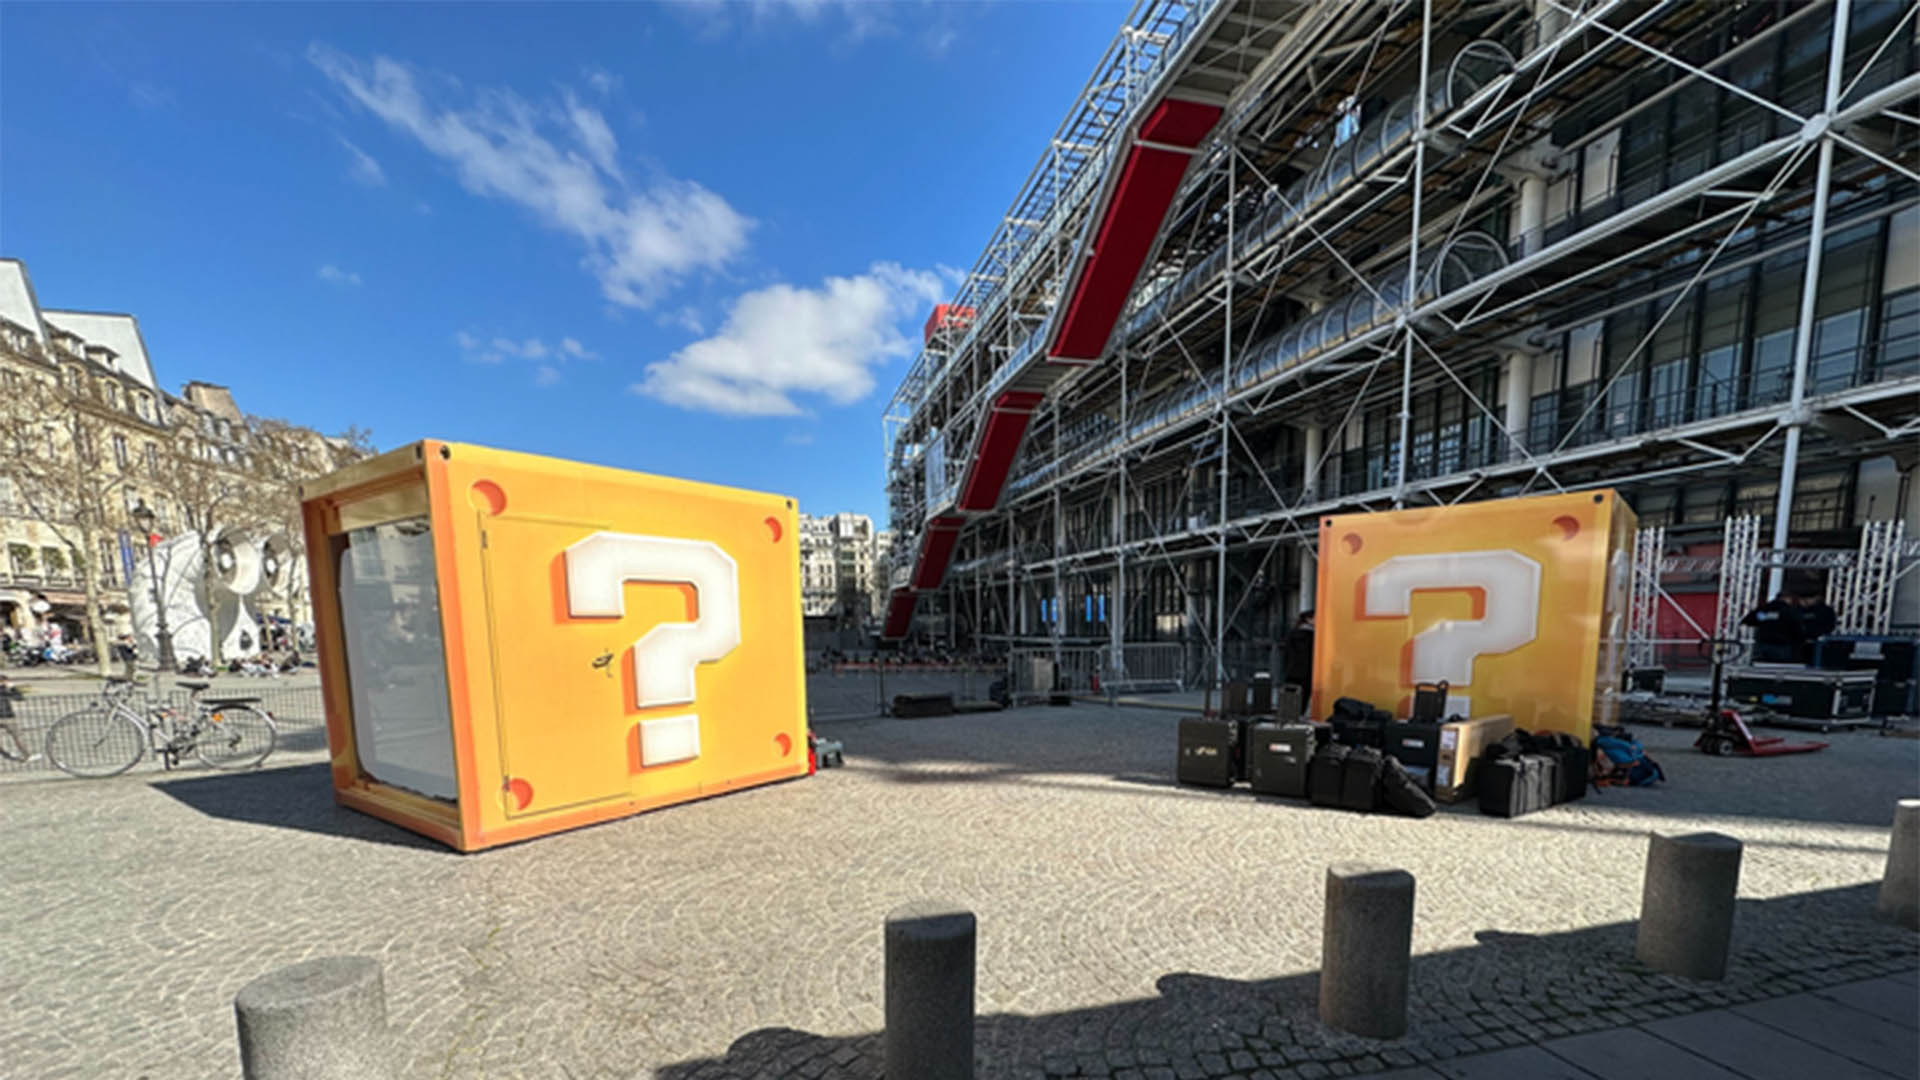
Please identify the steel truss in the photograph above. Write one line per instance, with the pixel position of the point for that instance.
(1210, 383)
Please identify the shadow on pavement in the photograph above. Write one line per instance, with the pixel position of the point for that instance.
(299, 797)
(1509, 990)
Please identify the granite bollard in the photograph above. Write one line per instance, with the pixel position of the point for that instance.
(1366, 950)
(1900, 888)
(929, 991)
(321, 1019)
(1687, 903)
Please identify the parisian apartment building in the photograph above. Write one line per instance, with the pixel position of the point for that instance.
(843, 567)
(79, 388)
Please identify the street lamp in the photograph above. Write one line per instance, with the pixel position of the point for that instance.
(143, 517)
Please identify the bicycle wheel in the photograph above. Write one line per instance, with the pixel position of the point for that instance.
(96, 742)
(235, 737)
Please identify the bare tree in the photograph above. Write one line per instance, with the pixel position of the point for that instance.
(290, 454)
(54, 428)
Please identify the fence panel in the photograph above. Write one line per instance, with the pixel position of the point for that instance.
(851, 691)
(1142, 668)
(297, 712)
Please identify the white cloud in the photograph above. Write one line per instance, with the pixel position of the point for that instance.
(800, 438)
(531, 349)
(500, 348)
(591, 129)
(149, 97)
(780, 341)
(563, 165)
(863, 19)
(365, 170)
(603, 81)
(686, 318)
(333, 275)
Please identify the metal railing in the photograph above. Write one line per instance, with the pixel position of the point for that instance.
(298, 712)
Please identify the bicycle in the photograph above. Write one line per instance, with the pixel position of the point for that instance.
(109, 736)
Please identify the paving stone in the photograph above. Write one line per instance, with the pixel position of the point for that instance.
(1529, 1062)
(1849, 1033)
(618, 950)
(1633, 1054)
(1755, 1050)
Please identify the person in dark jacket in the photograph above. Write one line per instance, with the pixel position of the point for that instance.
(1779, 635)
(1299, 653)
(1817, 620)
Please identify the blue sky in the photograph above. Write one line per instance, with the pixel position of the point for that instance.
(696, 239)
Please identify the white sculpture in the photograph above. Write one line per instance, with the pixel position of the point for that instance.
(246, 565)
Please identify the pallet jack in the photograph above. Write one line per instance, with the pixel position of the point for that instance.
(1727, 733)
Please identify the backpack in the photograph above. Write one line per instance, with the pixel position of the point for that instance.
(1622, 762)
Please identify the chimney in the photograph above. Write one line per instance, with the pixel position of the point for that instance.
(217, 400)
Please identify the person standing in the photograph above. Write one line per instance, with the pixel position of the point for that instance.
(124, 651)
(1298, 654)
(1779, 636)
(1817, 620)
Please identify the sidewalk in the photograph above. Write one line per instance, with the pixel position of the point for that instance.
(1867, 1030)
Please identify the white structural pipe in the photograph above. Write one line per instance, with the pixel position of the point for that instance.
(1517, 401)
(1413, 254)
(1819, 127)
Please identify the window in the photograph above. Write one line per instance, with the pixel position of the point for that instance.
(120, 455)
(1849, 268)
(1653, 507)
(1643, 154)
(153, 460)
(1626, 361)
(1900, 335)
(21, 559)
(109, 560)
(1803, 71)
(1723, 336)
(1757, 497)
(143, 405)
(1667, 361)
(1776, 309)
(1820, 502)
(1743, 121)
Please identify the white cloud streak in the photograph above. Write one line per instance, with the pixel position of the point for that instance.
(781, 341)
(333, 275)
(364, 169)
(500, 348)
(561, 164)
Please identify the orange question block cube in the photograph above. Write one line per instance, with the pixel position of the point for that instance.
(513, 645)
(1519, 605)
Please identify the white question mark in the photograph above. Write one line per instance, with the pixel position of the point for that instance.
(664, 658)
(1446, 650)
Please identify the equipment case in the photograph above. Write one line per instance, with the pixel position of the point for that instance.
(1805, 692)
(1277, 757)
(1208, 747)
(1326, 774)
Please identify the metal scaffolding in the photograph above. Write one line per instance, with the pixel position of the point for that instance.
(1431, 252)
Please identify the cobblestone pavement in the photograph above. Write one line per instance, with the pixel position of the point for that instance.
(1128, 927)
